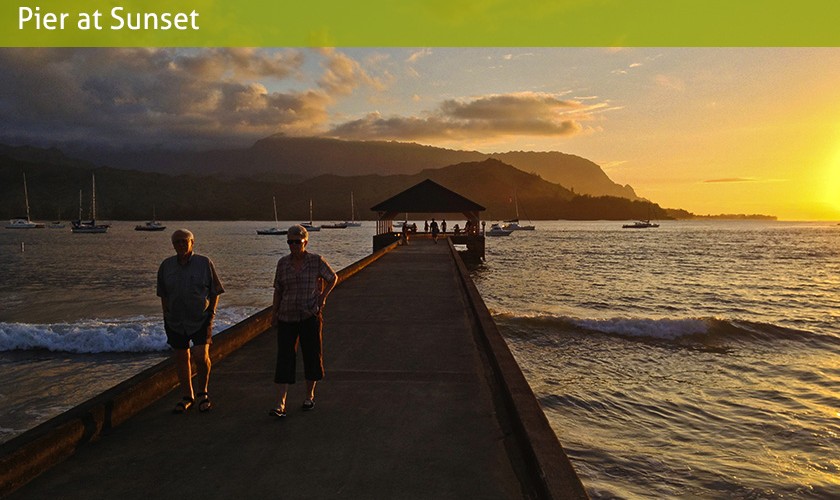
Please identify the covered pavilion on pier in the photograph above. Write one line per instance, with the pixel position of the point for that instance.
(429, 197)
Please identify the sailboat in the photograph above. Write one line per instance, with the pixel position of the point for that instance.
(309, 225)
(513, 224)
(152, 225)
(24, 222)
(89, 226)
(352, 222)
(274, 230)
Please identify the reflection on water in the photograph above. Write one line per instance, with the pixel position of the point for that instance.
(699, 360)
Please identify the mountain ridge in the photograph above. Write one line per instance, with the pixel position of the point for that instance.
(54, 184)
(281, 158)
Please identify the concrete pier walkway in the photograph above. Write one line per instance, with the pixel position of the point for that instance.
(410, 407)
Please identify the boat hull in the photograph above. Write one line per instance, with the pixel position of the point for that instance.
(24, 224)
(272, 232)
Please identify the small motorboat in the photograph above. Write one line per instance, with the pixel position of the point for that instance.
(272, 231)
(513, 225)
(640, 224)
(497, 230)
(335, 225)
(151, 225)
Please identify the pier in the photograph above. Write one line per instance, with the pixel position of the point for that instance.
(421, 399)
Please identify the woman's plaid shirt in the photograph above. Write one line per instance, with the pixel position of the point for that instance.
(299, 290)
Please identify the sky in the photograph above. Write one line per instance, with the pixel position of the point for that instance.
(709, 130)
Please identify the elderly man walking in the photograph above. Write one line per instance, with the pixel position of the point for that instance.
(189, 290)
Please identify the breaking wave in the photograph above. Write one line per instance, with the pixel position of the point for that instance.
(702, 330)
(140, 334)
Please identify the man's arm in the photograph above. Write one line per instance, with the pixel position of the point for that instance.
(213, 302)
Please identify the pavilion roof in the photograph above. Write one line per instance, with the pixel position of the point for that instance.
(427, 197)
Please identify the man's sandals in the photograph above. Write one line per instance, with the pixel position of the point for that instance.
(183, 405)
(204, 403)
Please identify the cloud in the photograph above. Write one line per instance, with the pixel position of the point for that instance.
(511, 57)
(343, 75)
(732, 179)
(225, 97)
(482, 118)
(153, 96)
(416, 56)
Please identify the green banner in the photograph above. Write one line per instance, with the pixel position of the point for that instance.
(440, 23)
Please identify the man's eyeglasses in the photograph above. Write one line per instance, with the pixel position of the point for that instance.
(294, 242)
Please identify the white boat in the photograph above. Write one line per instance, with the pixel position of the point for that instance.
(88, 226)
(352, 222)
(513, 224)
(497, 230)
(24, 222)
(640, 224)
(274, 231)
(152, 225)
(335, 225)
(309, 225)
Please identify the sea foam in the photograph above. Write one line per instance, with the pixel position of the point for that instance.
(136, 334)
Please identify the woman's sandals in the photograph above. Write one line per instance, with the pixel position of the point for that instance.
(204, 403)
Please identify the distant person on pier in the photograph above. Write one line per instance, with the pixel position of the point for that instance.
(443, 226)
(189, 290)
(302, 282)
(435, 230)
(426, 228)
(404, 235)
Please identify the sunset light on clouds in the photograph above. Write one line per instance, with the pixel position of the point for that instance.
(719, 130)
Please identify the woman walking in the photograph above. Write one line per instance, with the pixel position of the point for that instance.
(302, 282)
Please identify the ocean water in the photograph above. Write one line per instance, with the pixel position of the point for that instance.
(695, 360)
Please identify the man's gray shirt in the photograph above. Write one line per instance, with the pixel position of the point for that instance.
(187, 291)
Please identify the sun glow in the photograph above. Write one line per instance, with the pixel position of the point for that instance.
(831, 187)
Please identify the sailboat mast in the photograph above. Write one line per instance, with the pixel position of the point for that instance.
(93, 198)
(352, 208)
(310, 211)
(26, 196)
(80, 205)
(274, 202)
(516, 202)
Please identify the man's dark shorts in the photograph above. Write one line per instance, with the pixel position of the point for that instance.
(180, 341)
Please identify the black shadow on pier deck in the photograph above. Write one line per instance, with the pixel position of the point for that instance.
(412, 406)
